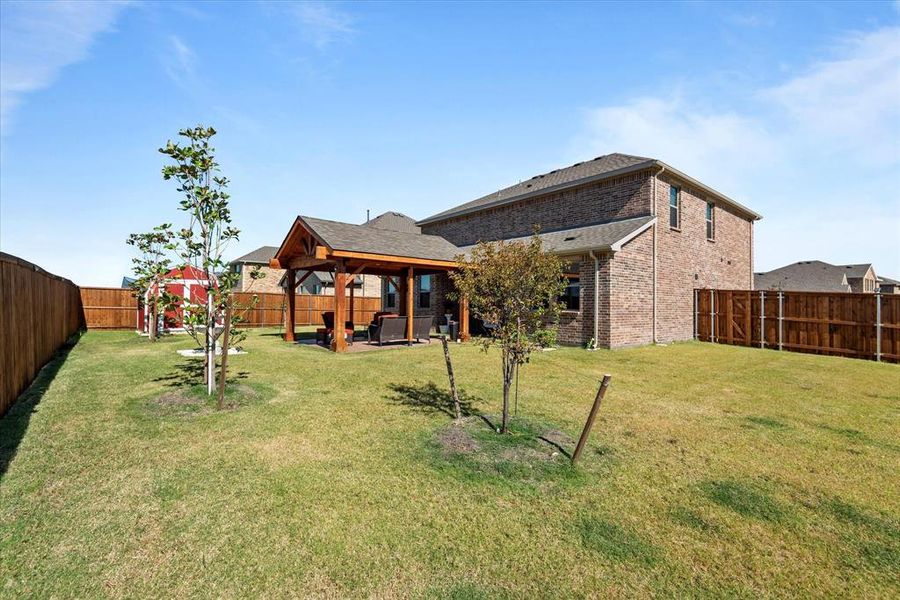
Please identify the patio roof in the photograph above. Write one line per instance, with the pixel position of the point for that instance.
(348, 250)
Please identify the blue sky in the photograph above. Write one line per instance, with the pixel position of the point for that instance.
(331, 109)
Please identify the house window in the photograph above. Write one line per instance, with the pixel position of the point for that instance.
(390, 298)
(710, 221)
(571, 297)
(425, 291)
(674, 207)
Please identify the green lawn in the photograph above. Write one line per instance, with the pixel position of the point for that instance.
(713, 471)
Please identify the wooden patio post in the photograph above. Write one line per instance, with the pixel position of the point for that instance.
(338, 341)
(464, 319)
(352, 306)
(290, 282)
(409, 304)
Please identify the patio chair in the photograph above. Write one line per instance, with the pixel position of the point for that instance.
(389, 329)
(422, 328)
(325, 333)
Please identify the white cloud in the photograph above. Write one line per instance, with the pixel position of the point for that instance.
(322, 23)
(39, 39)
(180, 63)
(818, 155)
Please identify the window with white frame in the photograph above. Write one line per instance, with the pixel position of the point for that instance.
(674, 207)
(710, 221)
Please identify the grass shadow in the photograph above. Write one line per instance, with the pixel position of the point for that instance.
(744, 499)
(429, 398)
(614, 542)
(14, 424)
(191, 372)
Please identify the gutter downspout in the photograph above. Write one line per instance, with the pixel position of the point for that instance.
(596, 298)
(655, 227)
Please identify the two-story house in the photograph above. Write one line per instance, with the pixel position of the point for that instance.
(639, 236)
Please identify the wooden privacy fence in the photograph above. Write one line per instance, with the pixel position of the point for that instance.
(109, 308)
(841, 324)
(38, 313)
(308, 309)
(117, 308)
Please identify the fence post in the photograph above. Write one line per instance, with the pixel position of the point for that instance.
(780, 317)
(696, 313)
(762, 319)
(878, 327)
(712, 315)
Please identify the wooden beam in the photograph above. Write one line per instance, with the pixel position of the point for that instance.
(464, 319)
(338, 342)
(321, 252)
(352, 307)
(291, 292)
(387, 258)
(410, 281)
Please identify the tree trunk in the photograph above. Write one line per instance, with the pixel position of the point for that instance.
(456, 407)
(151, 320)
(210, 344)
(506, 384)
(225, 335)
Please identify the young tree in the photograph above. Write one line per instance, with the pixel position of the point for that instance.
(203, 242)
(150, 268)
(514, 287)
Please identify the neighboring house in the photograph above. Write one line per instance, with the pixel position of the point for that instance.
(317, 283)
(321, 283)
(638, 237)
(127, 282)
(886, 285)
(818, 276)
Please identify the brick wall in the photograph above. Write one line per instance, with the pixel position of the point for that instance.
(631, 293)
(687, 260)
(618, 198)
(269, 283)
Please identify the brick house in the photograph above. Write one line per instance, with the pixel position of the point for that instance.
(638, 236)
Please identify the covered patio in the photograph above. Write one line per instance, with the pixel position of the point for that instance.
(348, 250)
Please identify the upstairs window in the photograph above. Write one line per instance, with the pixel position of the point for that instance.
(710, 221)
(390, 298)
(674, 207)
(425, 291)
(571, 297)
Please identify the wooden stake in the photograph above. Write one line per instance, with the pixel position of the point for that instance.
(456, 407)
(225, 335)
(590, 420)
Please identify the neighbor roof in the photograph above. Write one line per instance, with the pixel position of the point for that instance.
(856, 271)
(805, 276)
(260, 256)
(602, 167)
(605, 236)
(371, 240)
(394, 221)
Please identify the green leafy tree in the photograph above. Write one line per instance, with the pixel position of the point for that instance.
(203, 242)
(514, 288)
(150, 268)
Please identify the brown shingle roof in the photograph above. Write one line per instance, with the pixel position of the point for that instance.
(359, 238)
(604, 236)
(260, 256)
(804, 276)
(601, 167)
(394, 221)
